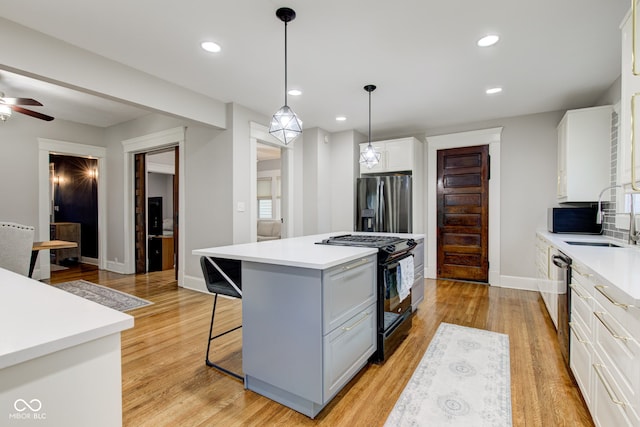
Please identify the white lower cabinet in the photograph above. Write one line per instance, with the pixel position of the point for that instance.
(605, 355)
(610, 407)
(581, 359)
(346, 348)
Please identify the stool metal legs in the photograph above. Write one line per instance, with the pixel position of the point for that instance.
(209, 362)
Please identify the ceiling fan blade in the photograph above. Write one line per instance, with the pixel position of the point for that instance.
(21, 101)
(31, 113)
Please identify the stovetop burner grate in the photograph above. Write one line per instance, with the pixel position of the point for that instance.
(363, 240)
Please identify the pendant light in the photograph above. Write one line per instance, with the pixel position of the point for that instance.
(370, 157)
(285, 124)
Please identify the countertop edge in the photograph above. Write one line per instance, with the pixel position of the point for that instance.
(606, 270)
(30, 353)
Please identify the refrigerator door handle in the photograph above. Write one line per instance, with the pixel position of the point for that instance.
(381, 215)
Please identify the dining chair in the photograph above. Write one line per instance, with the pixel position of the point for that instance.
(16, 244)
(214, 271)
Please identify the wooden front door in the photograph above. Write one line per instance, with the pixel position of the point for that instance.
(463, 213)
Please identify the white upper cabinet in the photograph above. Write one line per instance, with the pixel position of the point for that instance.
(395, 155)
(629, 100)
(584, 154)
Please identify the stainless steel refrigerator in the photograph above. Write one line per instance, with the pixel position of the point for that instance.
(383, 204)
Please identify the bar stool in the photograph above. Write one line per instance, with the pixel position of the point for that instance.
(222, 277)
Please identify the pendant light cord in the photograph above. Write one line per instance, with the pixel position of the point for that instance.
(369, 118)
(285, 63)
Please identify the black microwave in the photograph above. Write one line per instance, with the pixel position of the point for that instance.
(573, 220)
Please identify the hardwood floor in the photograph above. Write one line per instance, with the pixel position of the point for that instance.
(165, 381)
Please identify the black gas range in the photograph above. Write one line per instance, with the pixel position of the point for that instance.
(393, 314)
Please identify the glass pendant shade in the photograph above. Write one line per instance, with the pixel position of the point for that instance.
(370, 157)
(285, 125)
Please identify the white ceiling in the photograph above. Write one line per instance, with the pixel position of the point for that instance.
(553, 55)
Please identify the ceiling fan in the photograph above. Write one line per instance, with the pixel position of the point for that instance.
(7, 105)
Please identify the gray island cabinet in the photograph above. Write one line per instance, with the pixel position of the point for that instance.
(309, 317)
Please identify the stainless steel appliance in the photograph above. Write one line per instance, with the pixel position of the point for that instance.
(573, 220)
(563, 262)
(393, 315)
(383, 204)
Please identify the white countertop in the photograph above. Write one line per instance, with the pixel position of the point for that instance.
(37, 319)
(296, 251)
(619, 266)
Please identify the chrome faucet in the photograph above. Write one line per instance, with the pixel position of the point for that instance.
(600, 213)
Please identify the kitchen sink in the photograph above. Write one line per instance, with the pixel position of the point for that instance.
(599, 244)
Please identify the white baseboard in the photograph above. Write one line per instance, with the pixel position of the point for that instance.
(195, 283)
(515, 282)
(502, 281)
(87, 260)
(116, 267)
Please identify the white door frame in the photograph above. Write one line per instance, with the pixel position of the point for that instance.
(261, 133)
(131, 147)
(489, 137)
(51, 146)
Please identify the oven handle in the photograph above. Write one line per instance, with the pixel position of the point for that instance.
(392, 263)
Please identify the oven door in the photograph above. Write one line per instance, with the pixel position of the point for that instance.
(393, 307)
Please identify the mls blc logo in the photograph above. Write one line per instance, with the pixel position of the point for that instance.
(27, 410)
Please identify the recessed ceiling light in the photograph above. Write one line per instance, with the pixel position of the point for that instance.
(295, 92)
(211, 47)
(488, 40)
(493, 90)
(340, 118)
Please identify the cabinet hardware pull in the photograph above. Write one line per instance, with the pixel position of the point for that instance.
(577, 335)
(362, 319)
(601, 288)
(606, 385)
(363, 261)
(573, 267)
(575, 289)
(613, 333)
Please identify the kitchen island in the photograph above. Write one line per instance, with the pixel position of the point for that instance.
(309, 322)
(60, 361)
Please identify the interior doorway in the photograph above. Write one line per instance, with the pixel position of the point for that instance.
(491, 137)
(74, 208)
(47, 147)
(269, 192)
(156, 195)
(463, 213)
(172, 138)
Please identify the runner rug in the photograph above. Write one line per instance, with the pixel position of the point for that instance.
(102, 295)
(463, 379)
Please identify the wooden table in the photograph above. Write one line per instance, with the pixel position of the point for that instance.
(49, 244)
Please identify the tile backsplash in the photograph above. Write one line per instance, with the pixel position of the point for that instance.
(609, 223)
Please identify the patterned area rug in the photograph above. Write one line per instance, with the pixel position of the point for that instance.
(102, 295)
(462, 380)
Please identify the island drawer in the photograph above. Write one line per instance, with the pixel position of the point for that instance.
(347, 349)
(346, 290)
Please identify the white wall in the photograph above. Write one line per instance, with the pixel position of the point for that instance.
(528, 185)
(19, 163)
(344, 169)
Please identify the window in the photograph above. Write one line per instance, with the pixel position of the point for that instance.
(265, 200)
(265, 209)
